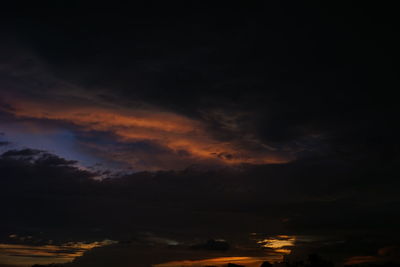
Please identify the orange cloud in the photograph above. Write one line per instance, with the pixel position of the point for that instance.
(172, 131)
(360, 260)
(46, 254)
(223, 261)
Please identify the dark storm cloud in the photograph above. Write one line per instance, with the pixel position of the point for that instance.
(38, 98)
(277, 77)
(233, 86)
(302, 194)
(299, 198)
(258, 82)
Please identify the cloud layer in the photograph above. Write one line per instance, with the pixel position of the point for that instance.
(174, 138)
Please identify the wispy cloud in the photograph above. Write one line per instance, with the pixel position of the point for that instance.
(181, 138)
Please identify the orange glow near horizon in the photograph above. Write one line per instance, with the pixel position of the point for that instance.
(360, 260)
(280, 244)
(222, 261)
(17, 254)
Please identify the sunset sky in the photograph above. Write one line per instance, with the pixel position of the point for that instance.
(259, 124)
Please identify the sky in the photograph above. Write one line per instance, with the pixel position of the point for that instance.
(200, 121)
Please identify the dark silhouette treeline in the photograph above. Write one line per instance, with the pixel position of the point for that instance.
(387, 264)
(313, 260)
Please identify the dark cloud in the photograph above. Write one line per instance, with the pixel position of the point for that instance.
(281, 75)
(212, 96)
(55, 198)
(4, 143)
(270, 76)
(302, 194)
(38, 156)
(22, 153)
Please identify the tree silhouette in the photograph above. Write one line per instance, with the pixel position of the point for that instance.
(266, 264)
